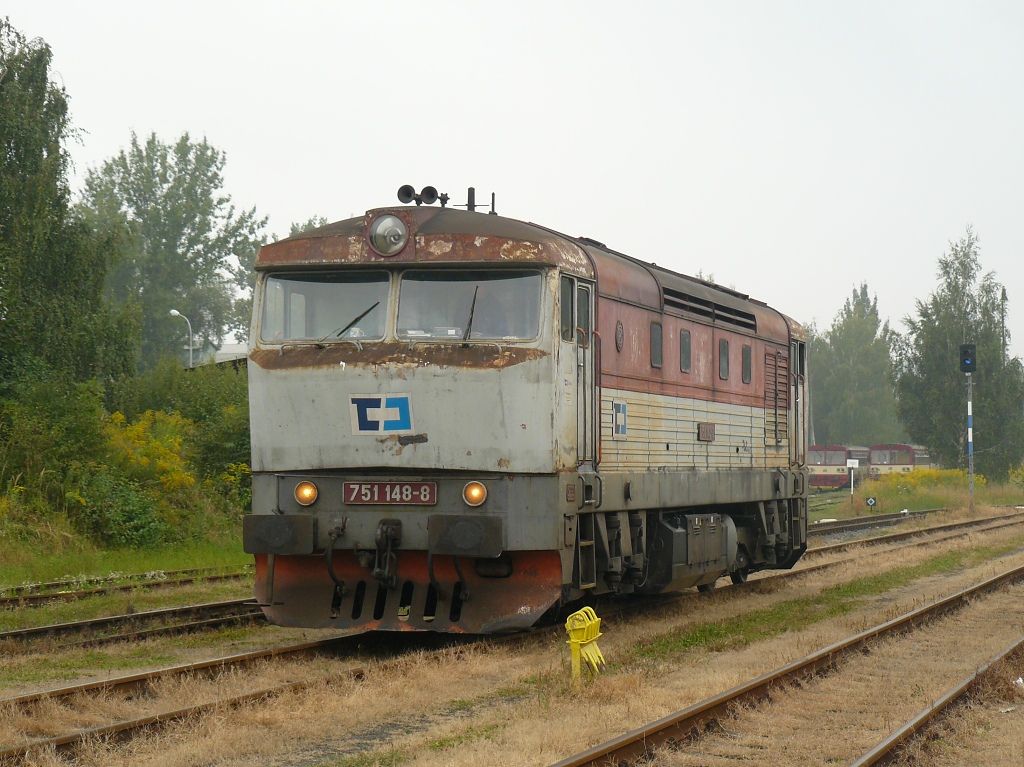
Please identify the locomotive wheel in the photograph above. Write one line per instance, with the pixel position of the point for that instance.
(739, 575)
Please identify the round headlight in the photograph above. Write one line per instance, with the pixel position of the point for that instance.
(474, 493)
(388, 235)
(305, 493)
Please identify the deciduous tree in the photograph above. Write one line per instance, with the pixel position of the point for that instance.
(52, 266)
(188, 242)
(852, 396)
(966, 307)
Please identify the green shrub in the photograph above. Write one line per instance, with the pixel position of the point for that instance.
(115, 511)
(47, 427)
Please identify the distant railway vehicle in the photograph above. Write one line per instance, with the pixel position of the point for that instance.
(461, 421)
(922, 457)
(827, 464)
(891, 458)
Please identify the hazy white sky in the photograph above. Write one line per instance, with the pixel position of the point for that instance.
(791, 149)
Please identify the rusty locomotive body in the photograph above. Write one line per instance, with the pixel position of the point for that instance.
(461, 421)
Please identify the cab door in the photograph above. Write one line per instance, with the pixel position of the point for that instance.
(577, 338)
(798, 400)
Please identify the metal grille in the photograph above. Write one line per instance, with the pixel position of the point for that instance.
(776, 397)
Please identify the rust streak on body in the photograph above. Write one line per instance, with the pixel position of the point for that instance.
(484, 356)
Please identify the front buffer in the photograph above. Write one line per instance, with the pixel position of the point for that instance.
(419, 591)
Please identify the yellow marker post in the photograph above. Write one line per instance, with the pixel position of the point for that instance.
(584, 629)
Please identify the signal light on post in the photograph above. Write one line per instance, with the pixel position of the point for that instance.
(967, 359)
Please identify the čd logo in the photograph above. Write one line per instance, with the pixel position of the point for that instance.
(388, 414)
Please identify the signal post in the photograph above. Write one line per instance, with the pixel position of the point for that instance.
(968, 365)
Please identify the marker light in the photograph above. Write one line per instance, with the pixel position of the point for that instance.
(388, 235)
(305, 493)
(474, 493)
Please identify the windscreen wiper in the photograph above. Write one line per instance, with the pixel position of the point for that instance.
(472, 310)
(337, 334)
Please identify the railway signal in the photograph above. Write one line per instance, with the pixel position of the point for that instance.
(967, 360)
(968, 366)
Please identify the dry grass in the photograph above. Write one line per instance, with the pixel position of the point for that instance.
(834, 719)
(987, 728)
(511, 706)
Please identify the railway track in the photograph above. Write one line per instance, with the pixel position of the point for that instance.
(886, 751)
(860, 523)
(691, 722)
(129, 683)
(187, 618)
(1012, 518)
(216, 614)
(33, 594)
(69, 584)
(78, 693)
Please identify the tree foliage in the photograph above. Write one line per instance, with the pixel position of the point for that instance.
(965, 308)
(189, 247)
(52, 266)
(852, 398)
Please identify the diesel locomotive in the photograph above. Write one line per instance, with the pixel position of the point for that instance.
(462, 421)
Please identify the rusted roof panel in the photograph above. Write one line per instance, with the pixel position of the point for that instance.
(438, 235)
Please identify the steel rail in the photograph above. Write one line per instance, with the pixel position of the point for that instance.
(153, 575)
(1017, 517)
(110, 621)
(30, 600)
(174, 629)
(858, 523)
(888, 749)
(690, 721)
(145, 677)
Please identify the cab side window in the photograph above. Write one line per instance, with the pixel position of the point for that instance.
(568, 325)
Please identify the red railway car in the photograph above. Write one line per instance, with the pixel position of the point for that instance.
(892, 458)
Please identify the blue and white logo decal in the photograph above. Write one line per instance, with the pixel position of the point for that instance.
(381, 413)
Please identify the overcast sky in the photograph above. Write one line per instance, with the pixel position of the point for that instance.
(790, 149)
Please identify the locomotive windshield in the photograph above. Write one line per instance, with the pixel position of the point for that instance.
(466, 305)
(324, 307)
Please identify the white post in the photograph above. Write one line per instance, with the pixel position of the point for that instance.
(970, 443)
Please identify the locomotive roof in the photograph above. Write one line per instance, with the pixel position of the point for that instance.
(447, 235)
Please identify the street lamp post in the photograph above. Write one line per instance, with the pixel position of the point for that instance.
(176, 313)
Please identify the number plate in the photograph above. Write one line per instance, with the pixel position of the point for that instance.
(398, 493)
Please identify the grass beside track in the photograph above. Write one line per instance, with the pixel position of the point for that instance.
(19, 566)
(797, 614)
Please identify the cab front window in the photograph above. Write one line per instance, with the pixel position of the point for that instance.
(324, 306)
(469, 305)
